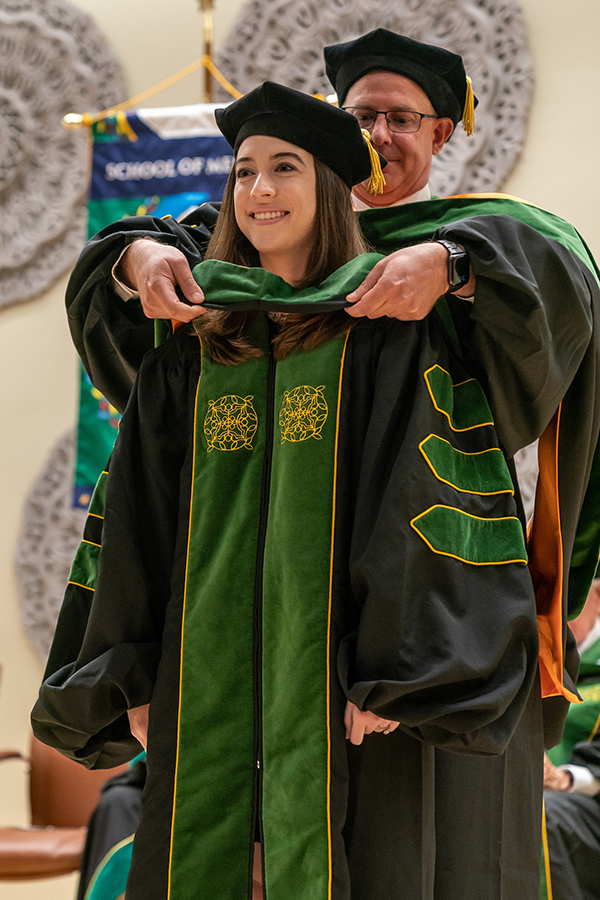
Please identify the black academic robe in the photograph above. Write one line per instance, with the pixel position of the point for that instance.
(536, 286)
(273, 539)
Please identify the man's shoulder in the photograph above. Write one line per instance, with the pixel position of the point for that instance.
(456, 206)
(400, 226)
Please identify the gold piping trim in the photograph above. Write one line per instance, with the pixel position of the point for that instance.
(443, 411)
(470, 562)
(187, 561)
(546, 852)
(463, 453)
(490, 196)
(328, 660)
(77, 584)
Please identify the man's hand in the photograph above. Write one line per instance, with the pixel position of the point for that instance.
(138, 723)
(405, 285)
(360, 723)
(153, 270)
(555, 779)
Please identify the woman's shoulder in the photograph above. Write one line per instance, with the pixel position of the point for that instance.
(177, 357)
(381, 329)
(181, 347)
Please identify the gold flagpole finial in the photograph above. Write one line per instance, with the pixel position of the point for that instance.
(73, 121)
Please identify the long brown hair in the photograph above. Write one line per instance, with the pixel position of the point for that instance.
(338, 239)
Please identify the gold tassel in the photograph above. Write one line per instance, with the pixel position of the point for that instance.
(376, 182)
(468, 117)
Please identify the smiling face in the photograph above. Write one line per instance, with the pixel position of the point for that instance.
(275, 203)
(409, 155)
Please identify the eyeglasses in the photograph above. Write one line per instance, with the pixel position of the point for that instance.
(401, 121)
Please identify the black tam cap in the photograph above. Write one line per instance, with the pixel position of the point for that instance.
(438, 72)
(329, 133)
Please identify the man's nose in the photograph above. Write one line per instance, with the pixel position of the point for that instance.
(380, 133)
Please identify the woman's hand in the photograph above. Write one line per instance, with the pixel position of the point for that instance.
(138, 723)
(154, 270)
(360, 723)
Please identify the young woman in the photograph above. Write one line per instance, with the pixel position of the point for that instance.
(306, 562)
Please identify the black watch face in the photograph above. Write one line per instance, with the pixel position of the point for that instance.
(462, 268)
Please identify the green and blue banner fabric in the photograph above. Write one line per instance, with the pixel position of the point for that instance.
(160, 162)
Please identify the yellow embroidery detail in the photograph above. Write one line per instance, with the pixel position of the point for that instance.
(230, 423)
(303, 413)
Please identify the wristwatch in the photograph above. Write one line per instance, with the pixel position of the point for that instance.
(459, 268)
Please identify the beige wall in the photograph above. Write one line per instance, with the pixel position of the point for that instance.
(153, 38)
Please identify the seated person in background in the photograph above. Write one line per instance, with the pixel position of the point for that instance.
(572, 777)
(107, 852)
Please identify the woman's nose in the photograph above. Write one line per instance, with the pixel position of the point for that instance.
(262, 186)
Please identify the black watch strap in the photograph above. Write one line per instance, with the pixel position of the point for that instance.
(459, 268)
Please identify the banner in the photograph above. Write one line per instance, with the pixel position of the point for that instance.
(155, 162)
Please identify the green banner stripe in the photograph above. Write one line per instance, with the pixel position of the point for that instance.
(98, 500)
(296, 625)
(84, 570)
(484, 472)
(102, 212)
(464, 405)
(470, 539)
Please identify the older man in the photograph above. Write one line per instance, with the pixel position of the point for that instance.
(520, 289)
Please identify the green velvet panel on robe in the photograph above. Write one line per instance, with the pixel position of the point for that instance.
(85, 565)
(475, 473)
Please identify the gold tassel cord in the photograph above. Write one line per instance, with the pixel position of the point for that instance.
(75, 120)
(376, 182)
(468, 117)
(218, 76)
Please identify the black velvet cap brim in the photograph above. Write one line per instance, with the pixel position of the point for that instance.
(328, 133)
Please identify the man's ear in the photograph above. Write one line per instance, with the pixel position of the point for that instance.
(441, 133)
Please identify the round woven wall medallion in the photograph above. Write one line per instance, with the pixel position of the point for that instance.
(53, 61)
(49, 538)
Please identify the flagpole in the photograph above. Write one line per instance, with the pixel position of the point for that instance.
(206, 6)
